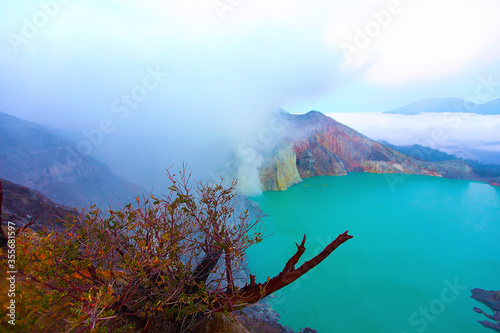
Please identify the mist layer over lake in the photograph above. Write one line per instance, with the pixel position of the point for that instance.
(420, 245)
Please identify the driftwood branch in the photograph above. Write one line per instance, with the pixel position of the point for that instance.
(253, 292)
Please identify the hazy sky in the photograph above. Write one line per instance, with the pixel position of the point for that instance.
(210, 69)
(71, 59)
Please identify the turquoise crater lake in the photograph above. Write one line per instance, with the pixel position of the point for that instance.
(420, 245)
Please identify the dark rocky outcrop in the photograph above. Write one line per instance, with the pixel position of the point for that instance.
(37, 157)
(251, 320)
(491, 299)
(261, 318)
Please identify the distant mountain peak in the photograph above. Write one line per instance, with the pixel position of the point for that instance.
(451, 104)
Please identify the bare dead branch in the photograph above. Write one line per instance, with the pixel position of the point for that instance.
(252, 280)
(29, 224)
(254, 292)
(290, 265)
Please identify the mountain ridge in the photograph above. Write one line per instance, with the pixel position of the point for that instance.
(35, 156)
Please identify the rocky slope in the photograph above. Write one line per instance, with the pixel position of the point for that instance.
(322, 146)
(37, 157)
(21, 205)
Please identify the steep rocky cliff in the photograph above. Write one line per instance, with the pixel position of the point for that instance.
(35, 156)
(279, 170)
(323, 146)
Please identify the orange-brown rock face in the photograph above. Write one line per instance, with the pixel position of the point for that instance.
(338, 149)
(324, 146)
(315, 160)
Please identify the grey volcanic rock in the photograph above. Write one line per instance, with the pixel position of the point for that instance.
(261, 311)
(261, 318)
(37, 157)
(491, 299)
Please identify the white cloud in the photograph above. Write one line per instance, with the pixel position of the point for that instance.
(421, 40)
